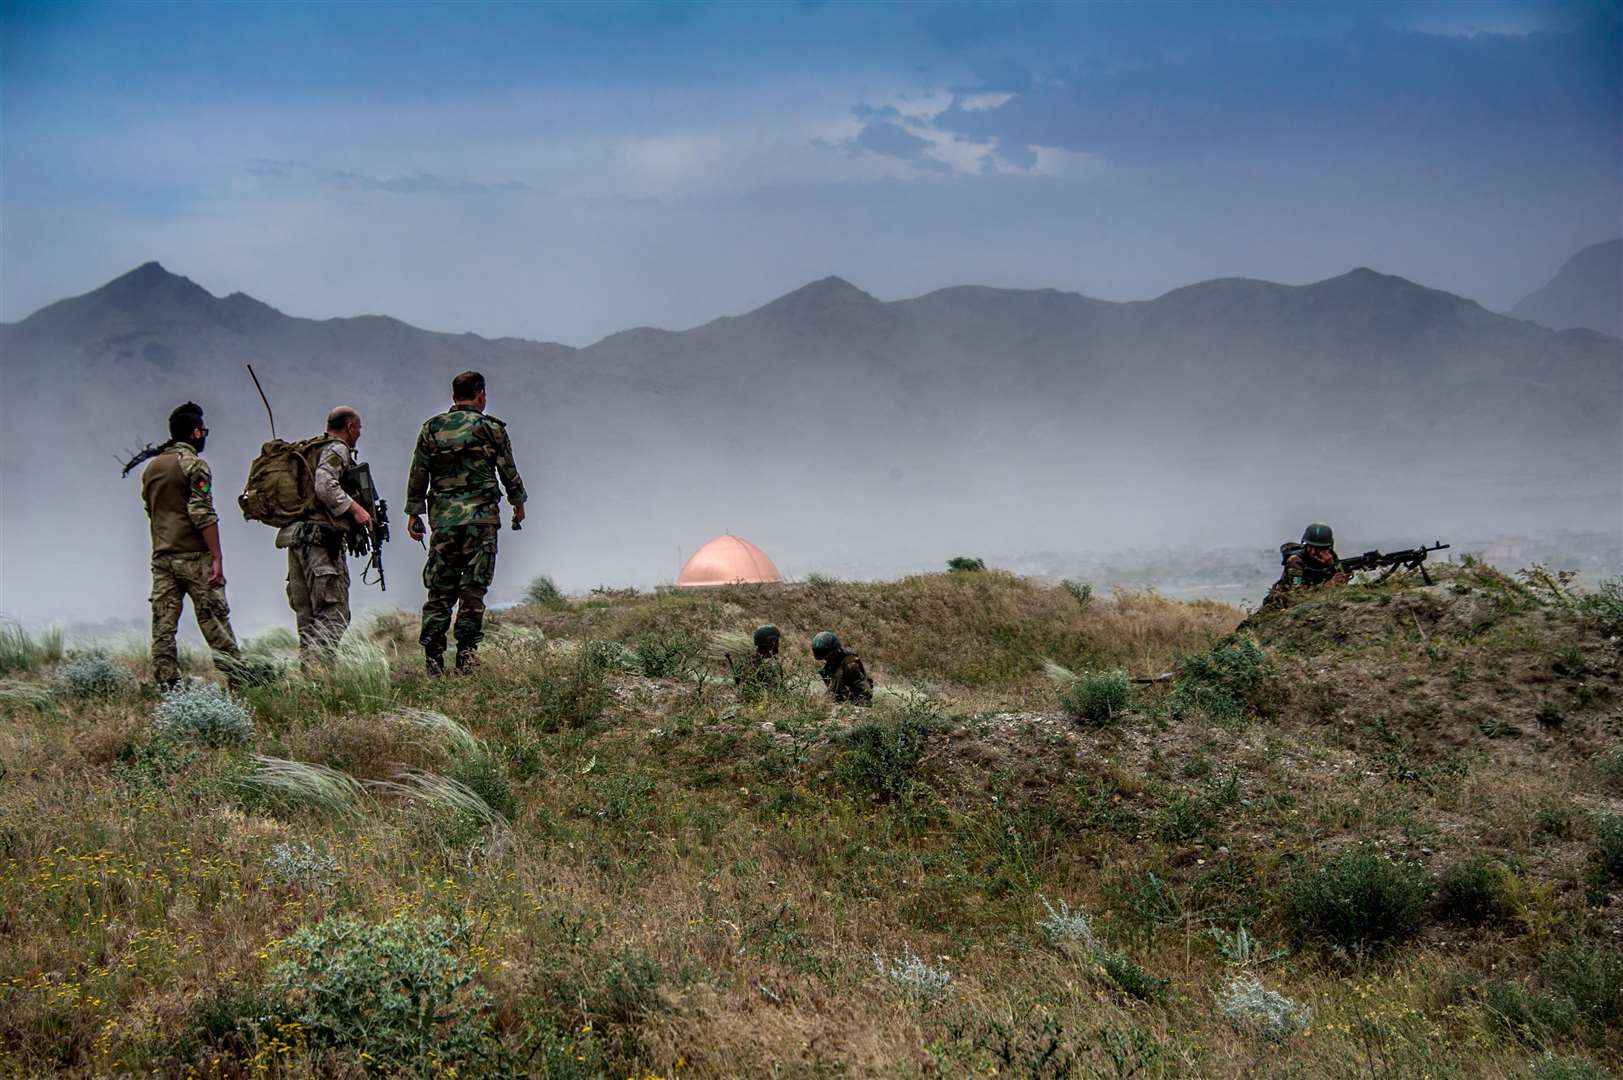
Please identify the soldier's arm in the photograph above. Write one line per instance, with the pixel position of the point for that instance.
(200, 493)
(329, 490)
(511, 481)
(417, 477)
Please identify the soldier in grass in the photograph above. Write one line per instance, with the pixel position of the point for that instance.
(761, 671)
(178, 490)
(460, 456)
(842, 671)
(317, 570)
(1309, 565)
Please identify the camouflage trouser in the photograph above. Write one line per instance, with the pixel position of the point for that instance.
(461, 564)
(318, 590)
(175, 577)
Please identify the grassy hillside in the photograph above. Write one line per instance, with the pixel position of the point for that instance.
(1375, 833)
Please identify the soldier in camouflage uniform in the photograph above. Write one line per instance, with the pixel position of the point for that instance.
(761, 671)
(1308, 565)
(178, 491)
(459, 457)
(317, 571)
(842, 671)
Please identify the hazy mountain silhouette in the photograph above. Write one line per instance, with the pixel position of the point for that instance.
(1586, 292)
(840, 431)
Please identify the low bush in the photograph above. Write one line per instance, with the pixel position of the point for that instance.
(401, 995)
(1128, 976)
(92, 674)
(1096, 697)
(544, 592)
(965, 564)
(203, 712)
(484, 774)
(571, 690)
(1550, 1067)
(302, 864)
(882, 755)
(1476, 891)
(1250, 1007)
(1222, 684)
(1603, 608)
(913, 977)
(1590, 977)
(665, 657)
(1081, 590)
(1357, 900)
(1606, 851)
(1607, 766)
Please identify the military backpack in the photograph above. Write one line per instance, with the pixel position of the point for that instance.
(282, 482)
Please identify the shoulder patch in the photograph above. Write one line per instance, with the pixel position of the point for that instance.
(201, 483)
(494, 420)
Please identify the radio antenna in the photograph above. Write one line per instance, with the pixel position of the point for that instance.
(263, 398)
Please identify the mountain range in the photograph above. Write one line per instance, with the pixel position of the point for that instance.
(841, 432)
(1586, 293)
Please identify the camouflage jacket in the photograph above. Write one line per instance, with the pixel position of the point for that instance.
(455, 466)
(1302, 572)
(178, 490)
(847, 679)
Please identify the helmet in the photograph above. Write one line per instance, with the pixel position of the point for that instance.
(766, 638)
(1318, 534)
(825, 645)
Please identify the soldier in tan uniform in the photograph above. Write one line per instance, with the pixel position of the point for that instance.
(177, 488)
(317, 570)
(843, 672)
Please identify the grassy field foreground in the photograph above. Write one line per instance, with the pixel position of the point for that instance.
(1376, 833)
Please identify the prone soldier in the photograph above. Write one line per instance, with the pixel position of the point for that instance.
(842, 671)
(762, 670)
(459, 457)
(317, 571)
(177, 489)
(1309, 565)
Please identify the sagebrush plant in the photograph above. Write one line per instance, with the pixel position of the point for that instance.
(302, 863)
(21, 651)
(204, 712)
(1221, 684)
(1250, 1007)
(92, 674)
(402, 996)
(1067, 929)
(544, 591)
(1604, 606)
(1096, 697)
(914, 977)
(1357, 899)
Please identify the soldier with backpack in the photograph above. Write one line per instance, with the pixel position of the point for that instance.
(459, 458)
(317, 571)
(178, 491)
(1307, 565)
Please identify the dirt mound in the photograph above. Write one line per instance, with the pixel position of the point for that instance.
(1476, 656)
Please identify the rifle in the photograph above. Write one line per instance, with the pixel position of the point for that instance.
(357, 483)
(1389, 563)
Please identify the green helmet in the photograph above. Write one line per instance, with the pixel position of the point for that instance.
(1318, 534)
(825, 645)
(766, 638)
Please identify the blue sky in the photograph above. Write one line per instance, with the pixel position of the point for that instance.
(565, 171)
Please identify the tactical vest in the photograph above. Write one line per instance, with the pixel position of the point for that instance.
(166, 490)
(1313, 572)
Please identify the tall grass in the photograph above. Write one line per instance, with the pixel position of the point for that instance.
(304, 785)
(22, 651)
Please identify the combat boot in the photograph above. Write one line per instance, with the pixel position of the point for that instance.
(434, 662)
(467, 661)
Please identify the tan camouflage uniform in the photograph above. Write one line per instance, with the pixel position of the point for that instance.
(177, 488)
(317, 570)
(1301, 572)
(460, 456)
(847, 679)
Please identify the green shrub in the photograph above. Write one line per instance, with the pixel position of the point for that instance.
(484, 774)
(664, 657)
(1357, 900)
(1549, 1067)
(21, 651)
(1476, 891)
(1096, 697)
(203, 712)
(1590, 976)
(1128, 976)
(1608, 769)
(882, 755)
(544, 592)
(572, 691)
(1606, 854)
(1529, 1016)
(1079, 589)
(1222, 684)
(1604, 607)
(965, 564)
(401, 995)
(92, 674)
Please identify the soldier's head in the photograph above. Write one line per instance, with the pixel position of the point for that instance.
(766, 640)
(186, 425)
(344, 424)
(1319, 542)
(825, 646)
(468, 388)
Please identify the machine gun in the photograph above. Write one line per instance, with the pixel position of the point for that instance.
(1389, 563)
(357, 484)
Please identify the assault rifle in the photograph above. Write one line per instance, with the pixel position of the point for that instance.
(1389, 563)
(357, 483)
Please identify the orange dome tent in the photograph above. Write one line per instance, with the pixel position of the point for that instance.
(727, 560)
